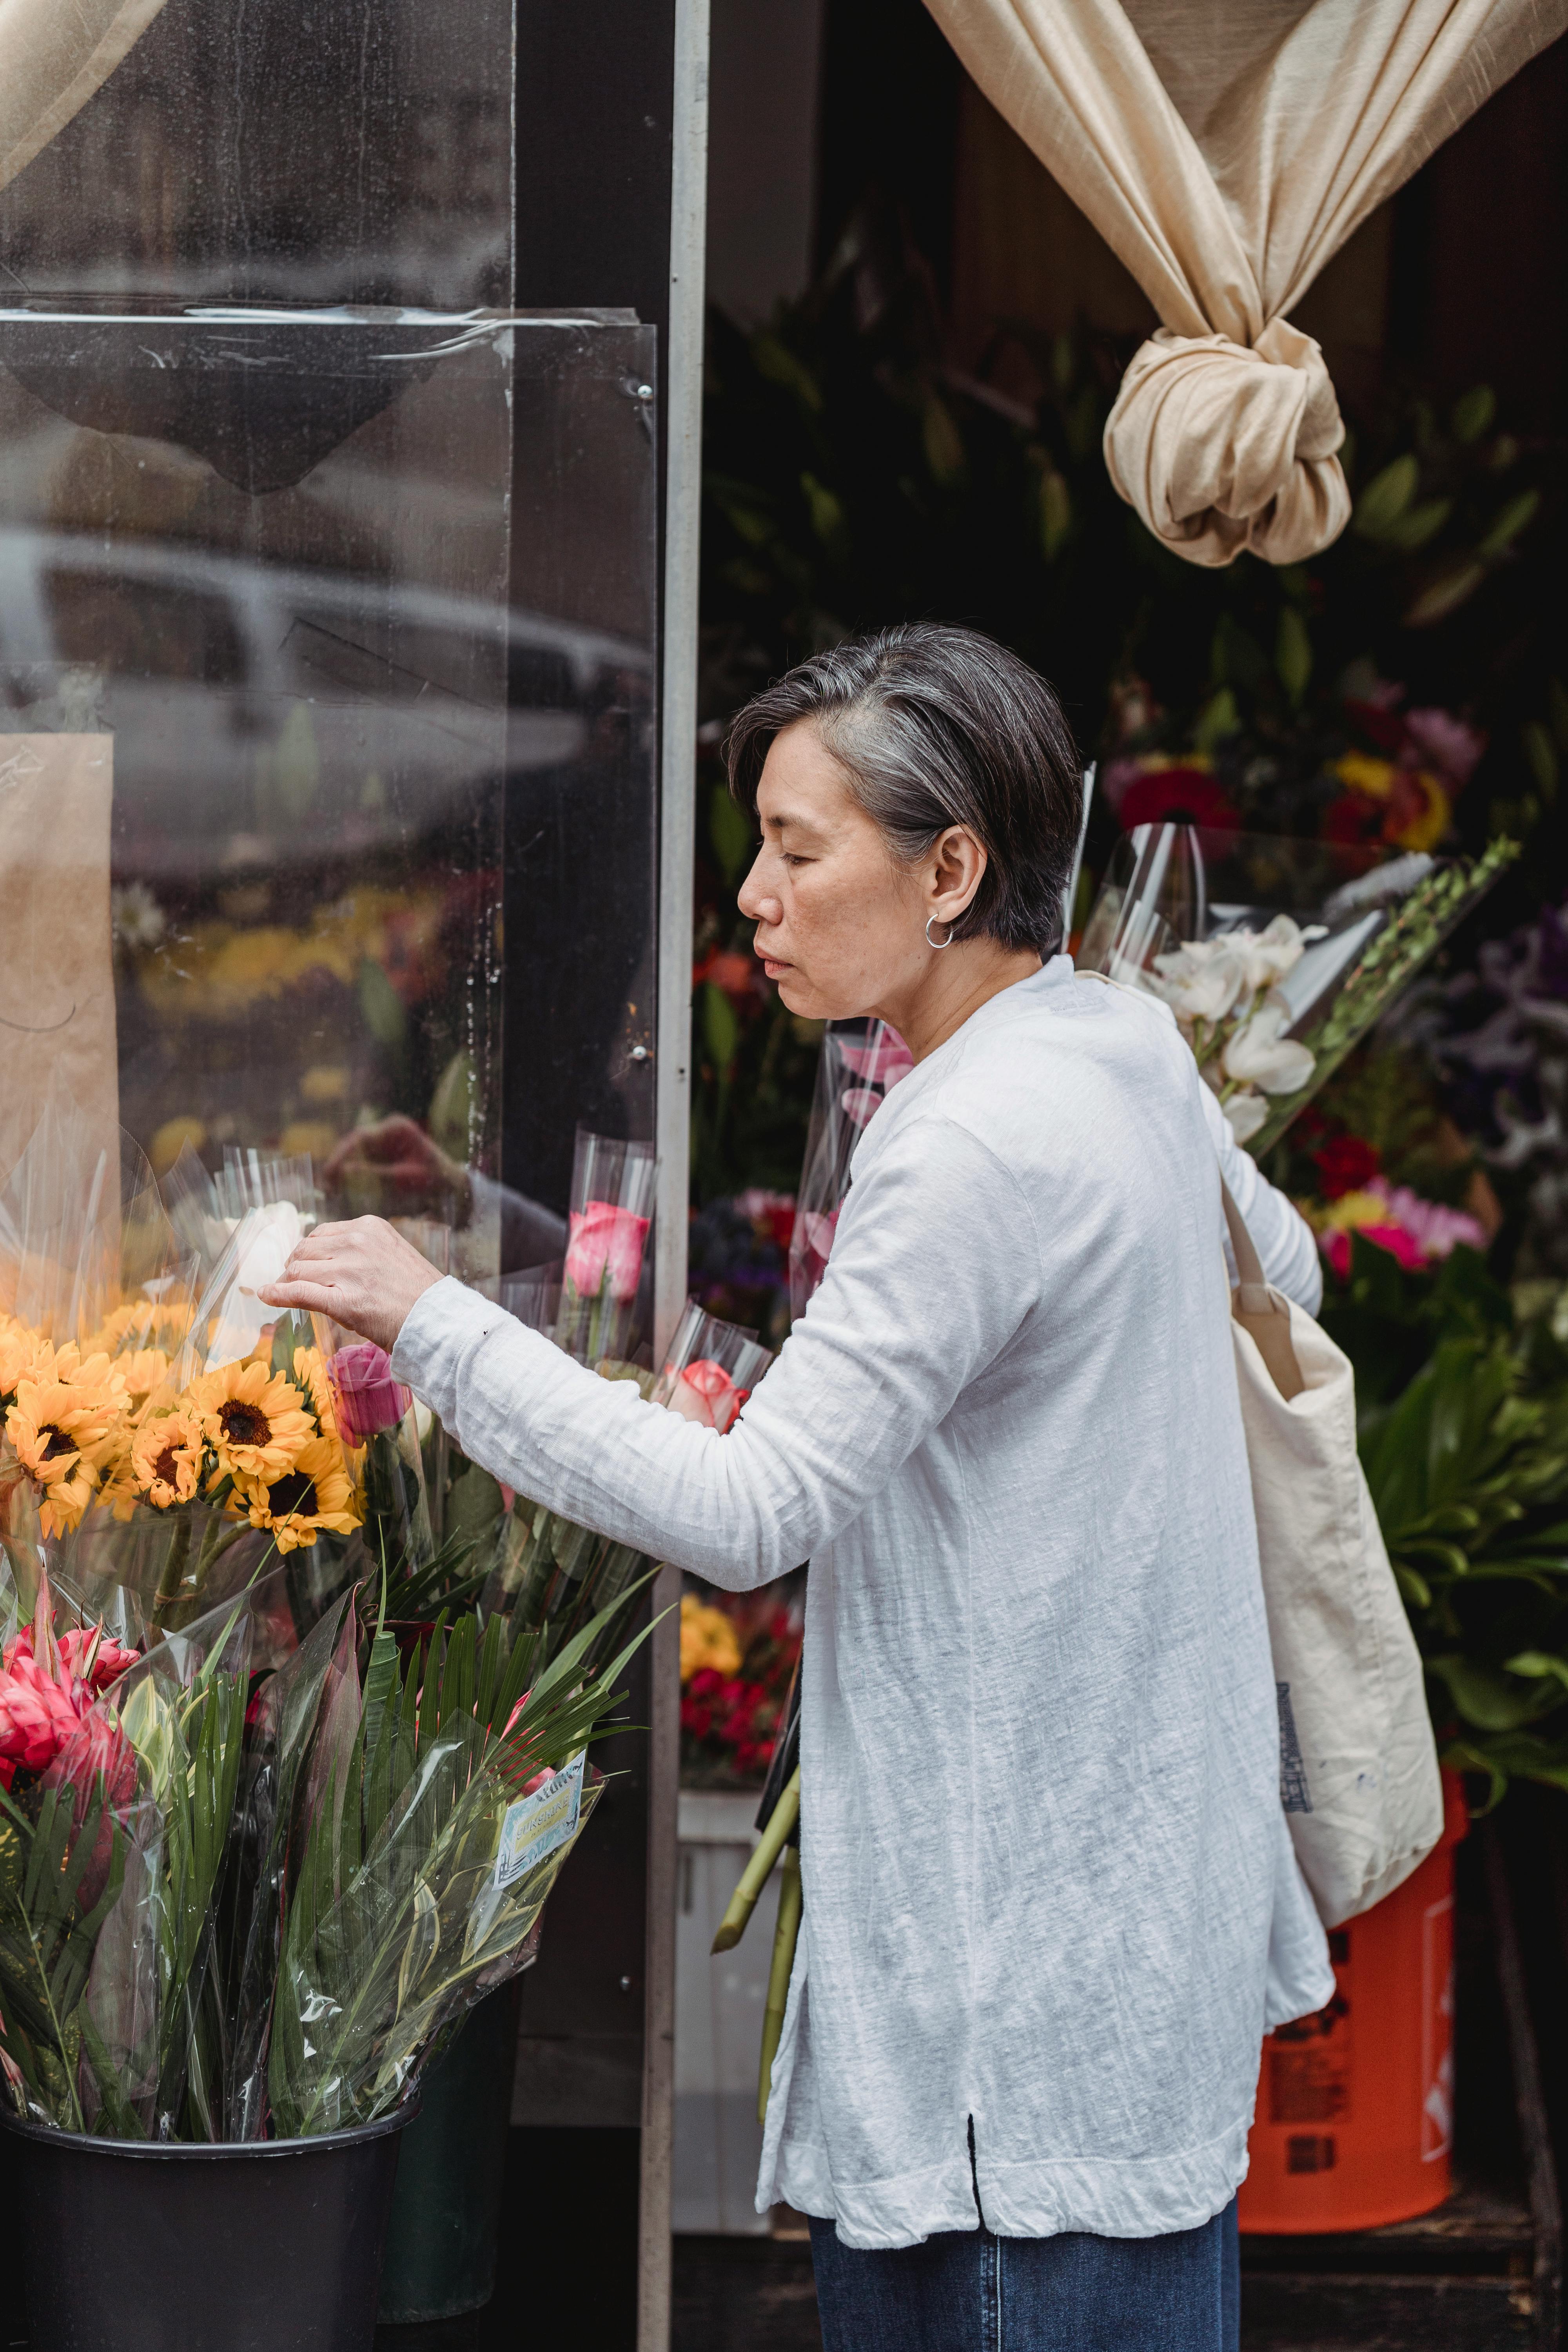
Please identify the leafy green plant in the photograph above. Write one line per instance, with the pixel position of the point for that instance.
(1468, 1472)
(397, 1919)
(53, 1907)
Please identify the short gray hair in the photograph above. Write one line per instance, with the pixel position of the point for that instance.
(935, 727)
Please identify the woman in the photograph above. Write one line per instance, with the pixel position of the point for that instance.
(1050, 1902)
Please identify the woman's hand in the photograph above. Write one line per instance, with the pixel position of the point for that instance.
(363, 1273)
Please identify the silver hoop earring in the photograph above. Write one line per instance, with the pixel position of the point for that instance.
(938, 944)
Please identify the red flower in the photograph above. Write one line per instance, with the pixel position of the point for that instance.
(728, 969)
(1346, 1163)
(1352, 818)
(1167, 795)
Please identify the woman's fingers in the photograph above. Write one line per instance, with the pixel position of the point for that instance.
(362, 1272)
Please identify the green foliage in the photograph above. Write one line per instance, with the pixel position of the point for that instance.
(394, 1922)
(1468, 1470)
(53, 1906)
(856, 477)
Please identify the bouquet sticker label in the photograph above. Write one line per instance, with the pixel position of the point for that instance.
(534, 1826)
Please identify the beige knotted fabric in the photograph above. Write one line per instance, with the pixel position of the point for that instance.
(54, 55)
(1224, 150)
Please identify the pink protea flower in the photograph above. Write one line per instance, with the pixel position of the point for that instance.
(604, 1251)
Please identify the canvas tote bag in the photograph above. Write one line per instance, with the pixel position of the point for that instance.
(1358, 1765)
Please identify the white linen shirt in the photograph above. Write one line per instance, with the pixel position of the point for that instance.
(1048, 1885)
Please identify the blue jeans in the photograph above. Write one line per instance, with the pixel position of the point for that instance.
(966, 2291)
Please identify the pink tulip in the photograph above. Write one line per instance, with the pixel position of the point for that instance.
(604, 1250)
(368, 1400)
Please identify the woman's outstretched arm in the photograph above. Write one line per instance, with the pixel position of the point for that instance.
(934, 1265)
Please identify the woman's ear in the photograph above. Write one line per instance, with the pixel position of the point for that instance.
(959, 864)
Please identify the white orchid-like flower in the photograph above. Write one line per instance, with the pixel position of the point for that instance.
(1247, 1112)
(1267, 955)
(1260, 1053)
(1202, 980)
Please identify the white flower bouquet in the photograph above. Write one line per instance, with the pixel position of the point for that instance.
(1275, 956)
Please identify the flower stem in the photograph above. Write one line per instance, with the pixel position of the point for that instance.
(174, 1569)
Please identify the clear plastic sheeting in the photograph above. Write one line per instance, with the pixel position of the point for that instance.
(358, 605)
(351, 153)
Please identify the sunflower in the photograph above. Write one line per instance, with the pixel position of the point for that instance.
(312, 1493)
(166, 1457)
(310, 1374)
(55, 1427)
(146, 1372)
(112, 1332)
(23, 1354)
(254, 1421)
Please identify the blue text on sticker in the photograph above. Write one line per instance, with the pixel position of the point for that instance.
(534, 1826)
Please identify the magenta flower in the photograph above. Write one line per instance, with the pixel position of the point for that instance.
(604, 1251)
(1335, 1246)
(1447, 741)
(368, 1399)
(1435, 1230)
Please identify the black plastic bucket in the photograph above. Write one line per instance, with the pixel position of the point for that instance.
(445, 2211)
(253, 2246)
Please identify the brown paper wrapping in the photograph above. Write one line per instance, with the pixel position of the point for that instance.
(56, 967)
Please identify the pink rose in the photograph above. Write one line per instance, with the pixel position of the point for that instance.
(604, 1250)
(705, 1393)
(368, 1399)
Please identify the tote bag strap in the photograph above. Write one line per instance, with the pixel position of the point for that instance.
(1256, 1307)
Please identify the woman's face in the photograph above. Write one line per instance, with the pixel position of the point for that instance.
(840, 921)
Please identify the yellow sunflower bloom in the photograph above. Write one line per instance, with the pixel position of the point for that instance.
(146, 1370)
(254, 1420)
(166, 1457)
(112, 1332)
(314, 1492)
(23, 1353)
(55, 1427)
(310, 1375)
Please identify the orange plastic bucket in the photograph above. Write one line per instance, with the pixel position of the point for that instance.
(1353, 2125)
